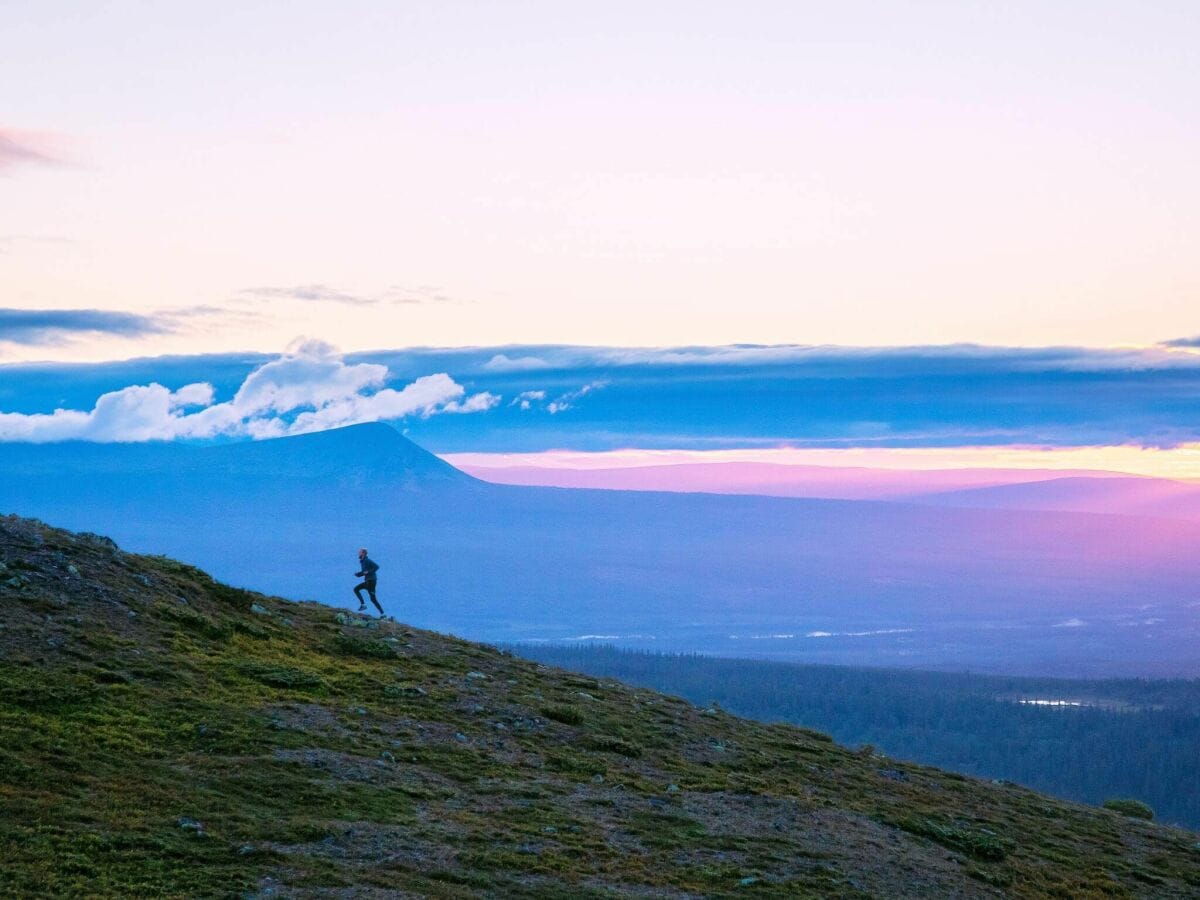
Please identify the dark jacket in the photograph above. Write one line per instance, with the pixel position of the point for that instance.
(367, 568)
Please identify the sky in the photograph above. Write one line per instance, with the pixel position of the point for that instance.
(904, 234)
(224, 177)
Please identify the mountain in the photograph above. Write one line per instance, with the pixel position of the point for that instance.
(857, 582)
(1134, 496)
(163, 734)
(769, 479)
(357, 454)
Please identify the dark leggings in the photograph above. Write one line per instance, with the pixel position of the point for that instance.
(369, 587)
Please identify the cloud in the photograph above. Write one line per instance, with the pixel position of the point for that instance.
(318, 293)
(19, 148)
(502, 363)
(1183, 342)
(475, 403)
(563, 403)
(526, 399)
(425, 293)
(323, 293)
(44, 326)
(742, 397)
(308, 388)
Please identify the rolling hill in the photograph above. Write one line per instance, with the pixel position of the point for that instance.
(163, 734)
(1130, 496)
(768, 479)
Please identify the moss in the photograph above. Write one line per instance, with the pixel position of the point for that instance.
(32, 689)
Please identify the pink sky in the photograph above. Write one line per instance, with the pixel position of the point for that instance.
(1181, 463)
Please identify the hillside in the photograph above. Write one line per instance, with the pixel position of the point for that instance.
(1139, 737)
(162, 734)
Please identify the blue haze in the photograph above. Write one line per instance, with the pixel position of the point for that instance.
(809, 580)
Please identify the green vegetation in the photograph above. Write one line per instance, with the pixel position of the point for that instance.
(1137, 738)
(1135, 808)
(163, 735)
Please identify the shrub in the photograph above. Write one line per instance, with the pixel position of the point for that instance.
(197, 622)
(363, 649)
(609, 744)
(979, 843)
(1135, 809)
(279, 676)
(568, 715)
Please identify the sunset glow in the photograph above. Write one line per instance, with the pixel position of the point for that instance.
(1180, 463)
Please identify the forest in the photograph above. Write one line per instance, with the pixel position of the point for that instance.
(1085, 740)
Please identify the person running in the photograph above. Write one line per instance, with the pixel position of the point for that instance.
(366, 571)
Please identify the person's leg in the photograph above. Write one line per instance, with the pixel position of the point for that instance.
(358, 589)
(371, 594)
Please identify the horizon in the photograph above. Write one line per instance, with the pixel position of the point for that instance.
(585, 407)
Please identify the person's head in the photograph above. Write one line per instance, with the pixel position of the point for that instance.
(362, 552)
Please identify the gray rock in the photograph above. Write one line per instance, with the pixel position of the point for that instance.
(259, 610)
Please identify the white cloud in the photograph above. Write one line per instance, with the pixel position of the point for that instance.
(309, 388)
(526, 399)
(475, 403)
(502, 363)
(563, 403)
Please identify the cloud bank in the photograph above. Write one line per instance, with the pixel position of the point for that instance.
(706, 398)
(309, 388)
(47, 326)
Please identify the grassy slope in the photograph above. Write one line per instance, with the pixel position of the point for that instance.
(162, 734)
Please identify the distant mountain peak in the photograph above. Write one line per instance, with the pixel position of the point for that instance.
(367, 450)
